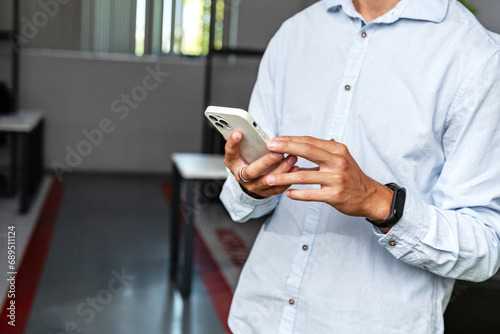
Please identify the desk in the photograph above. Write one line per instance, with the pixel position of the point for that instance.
(188, 168)
(28, 126)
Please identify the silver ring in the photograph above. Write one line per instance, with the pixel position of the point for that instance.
(241, 177)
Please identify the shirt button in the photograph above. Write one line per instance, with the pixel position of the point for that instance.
(364, 34)
(305, 247)
(392, 243)
(425, 267)
(291, 302)
(347, 87)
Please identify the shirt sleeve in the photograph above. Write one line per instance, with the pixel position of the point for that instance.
(458, 235)
(242, 207)
(264, 108)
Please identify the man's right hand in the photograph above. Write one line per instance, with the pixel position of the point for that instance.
(258, 187)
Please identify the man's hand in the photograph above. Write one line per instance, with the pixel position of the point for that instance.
(258, 187)
(343, 184)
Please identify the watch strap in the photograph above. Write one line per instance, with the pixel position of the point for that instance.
(397, 206)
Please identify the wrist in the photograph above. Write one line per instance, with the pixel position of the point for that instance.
(251, 194)
(380, 205)
(396, 208)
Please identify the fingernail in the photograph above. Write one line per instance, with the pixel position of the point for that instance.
(277, 156)
(236, 136)
(270, 179)
(272, 144)
(291, 159)
(288, 193)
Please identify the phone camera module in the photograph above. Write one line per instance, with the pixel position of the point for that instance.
(219, 125)
(226, 124)
(213, 118)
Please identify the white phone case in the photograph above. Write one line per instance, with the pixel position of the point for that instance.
(227, 120)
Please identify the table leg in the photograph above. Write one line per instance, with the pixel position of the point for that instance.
(188, 245)
(39, 146)
(31, 166)
(175, 223)
(26, 155)
(13, 163)
(11, 175)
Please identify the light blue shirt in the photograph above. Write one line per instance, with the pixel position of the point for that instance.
(417, 102)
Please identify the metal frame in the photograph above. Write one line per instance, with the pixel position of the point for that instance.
(12, 37)
(212, 143)
(182, 245)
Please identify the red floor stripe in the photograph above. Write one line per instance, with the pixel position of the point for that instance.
(29, 269)
(215, 283)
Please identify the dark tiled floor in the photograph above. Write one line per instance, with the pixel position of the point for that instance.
(106, 271)
(113, 226)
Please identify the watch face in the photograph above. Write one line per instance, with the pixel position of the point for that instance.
(400, 203)
(397, 206)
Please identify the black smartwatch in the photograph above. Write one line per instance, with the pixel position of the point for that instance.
(397, 206)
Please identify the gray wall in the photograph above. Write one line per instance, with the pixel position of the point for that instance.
(259, 19)
(78, 93)
(488, 13)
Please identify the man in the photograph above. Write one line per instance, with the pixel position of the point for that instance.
(367, 93)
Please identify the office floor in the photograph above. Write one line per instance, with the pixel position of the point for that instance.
(9, 216)
(106, 271)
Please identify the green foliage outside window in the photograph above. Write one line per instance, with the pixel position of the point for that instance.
(195, 41)
(469, 6)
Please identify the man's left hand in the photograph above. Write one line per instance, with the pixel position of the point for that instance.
(343, 184)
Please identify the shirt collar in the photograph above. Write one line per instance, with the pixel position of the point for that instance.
(426, 10)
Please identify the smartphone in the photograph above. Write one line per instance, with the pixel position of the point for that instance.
(228, 120)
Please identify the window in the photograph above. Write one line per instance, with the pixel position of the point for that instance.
(186, 25)
(140, 27)
(180, 27)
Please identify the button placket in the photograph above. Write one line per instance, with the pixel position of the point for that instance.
(356, 54)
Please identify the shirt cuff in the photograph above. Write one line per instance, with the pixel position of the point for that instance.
(242, 206)
(409, 231)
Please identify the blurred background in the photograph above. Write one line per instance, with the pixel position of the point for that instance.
(95, 97)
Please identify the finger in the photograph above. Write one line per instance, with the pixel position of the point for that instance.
(308, 151)
(299, 177)
(312, 169)
(259, 166)
(265, 189)
(232, 147)
(259, 184)
(307, 195)
(286, 165)
(327, 145)
(273, 191)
